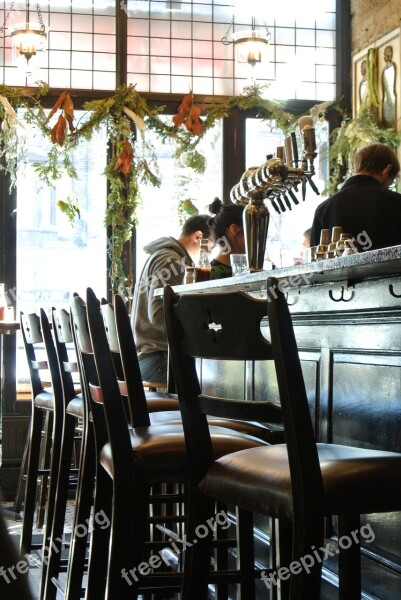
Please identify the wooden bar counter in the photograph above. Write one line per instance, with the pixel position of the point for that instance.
(347, 318)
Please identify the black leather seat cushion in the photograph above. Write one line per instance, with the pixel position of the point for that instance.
(76, 407)
(160, 401)
(355, 481)
(159, 452)
(258, 430)
(45, 399)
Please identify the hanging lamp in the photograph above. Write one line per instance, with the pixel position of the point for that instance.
(250, 45)
(29, 42)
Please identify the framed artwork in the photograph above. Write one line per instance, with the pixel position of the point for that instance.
(376, 79)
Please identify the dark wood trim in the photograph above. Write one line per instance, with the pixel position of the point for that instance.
(343, 51)
(233, 149)
(121, 45)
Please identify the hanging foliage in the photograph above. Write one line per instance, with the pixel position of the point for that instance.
(351, 135)
(132, 160)
(127, 116)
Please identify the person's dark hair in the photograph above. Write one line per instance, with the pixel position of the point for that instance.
(307, 234)
(374, 158)
(197, 223)
(226, 215)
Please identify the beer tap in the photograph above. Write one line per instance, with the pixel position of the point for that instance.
(307, 130)
(275, 181)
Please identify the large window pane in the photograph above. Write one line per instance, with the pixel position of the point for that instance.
(54, 258)
(285, 233)
(159, 216)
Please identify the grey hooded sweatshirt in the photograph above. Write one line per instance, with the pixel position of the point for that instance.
(165, 265)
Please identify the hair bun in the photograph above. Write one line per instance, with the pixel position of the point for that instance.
(215, 206)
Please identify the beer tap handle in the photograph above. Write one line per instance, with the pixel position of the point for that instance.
(286, 200)
(274, 205)
(294, 149)
(313, 185)
(280, 203)
(303, 189)
(288, 151)
(293, 196)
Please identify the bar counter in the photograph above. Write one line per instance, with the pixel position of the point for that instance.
(347, 319)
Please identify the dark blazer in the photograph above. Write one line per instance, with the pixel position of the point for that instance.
(364, 208)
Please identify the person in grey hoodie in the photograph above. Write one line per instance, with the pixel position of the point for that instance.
(166, 264)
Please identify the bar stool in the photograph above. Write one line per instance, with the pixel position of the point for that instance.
(75, 422)
(46, 406)
(131, 459)
(146, 410)
(299, 483)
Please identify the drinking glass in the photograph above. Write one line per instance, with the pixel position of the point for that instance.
(238, 263)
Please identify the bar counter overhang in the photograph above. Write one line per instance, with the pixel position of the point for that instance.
(347, 318)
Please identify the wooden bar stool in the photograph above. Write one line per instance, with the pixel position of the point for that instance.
(133, 459)
(299, 483)
(75, 427)
(46, 407)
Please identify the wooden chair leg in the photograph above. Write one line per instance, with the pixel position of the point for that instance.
(129, 555)
(83, 505)
(349, 558)
(246, 553)
(56, 449)
(197, 557)
(283, 546)
(221, 554)
(100, 538)
(44, 465)
(54, 537)
(19, 499)
(31, 479)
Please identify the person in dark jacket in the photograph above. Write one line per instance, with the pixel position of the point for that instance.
(364, 206)
(228, 233)
(165, 265)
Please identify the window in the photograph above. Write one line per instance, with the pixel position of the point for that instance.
(158, 216)
(54, 258)
(285, 233)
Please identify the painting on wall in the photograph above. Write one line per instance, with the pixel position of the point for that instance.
(376, 80)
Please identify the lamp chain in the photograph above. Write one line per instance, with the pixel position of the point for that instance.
(226, 39)
(6, 17)
(40, 18)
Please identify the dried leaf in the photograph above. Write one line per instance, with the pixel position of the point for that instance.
(59, 131)
(178, 120)
(124, 160)
(195, 111)
(58, 104)
(197, 127)
(140, 124)
(68, 108)
(185, 104)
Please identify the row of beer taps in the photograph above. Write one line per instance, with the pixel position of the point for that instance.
(280, 176)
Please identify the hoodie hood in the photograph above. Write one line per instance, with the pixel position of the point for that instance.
(164, 243)
(164, 265)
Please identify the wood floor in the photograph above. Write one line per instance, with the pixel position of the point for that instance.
(14, 525)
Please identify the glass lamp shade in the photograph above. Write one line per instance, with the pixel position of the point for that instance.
(250, 46)
(29, 45)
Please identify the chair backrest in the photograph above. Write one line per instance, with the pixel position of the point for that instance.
(87, 369)
(306, 477)
(123, 351)
(227, 326)
(64, 343)
(102, 383)
(37, 336)
(221, 326)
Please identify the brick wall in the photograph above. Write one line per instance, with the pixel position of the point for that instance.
(371, 19)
